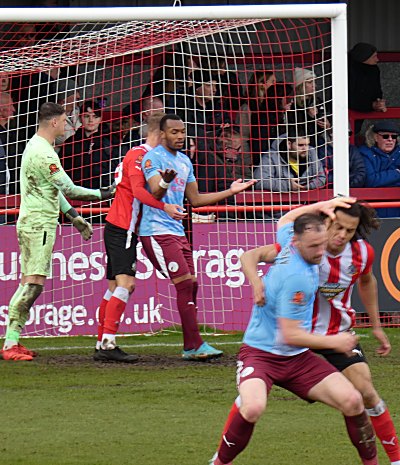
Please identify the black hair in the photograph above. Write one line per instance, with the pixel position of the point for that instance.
(50, 110)
(308, 222)
(164, 119)
(367, 216)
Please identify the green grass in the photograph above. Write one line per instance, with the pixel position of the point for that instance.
(63, 409)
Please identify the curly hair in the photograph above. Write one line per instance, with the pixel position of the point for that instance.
(367, 216)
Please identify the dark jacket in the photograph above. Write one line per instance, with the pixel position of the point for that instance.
(364, 85)
(357, 172)
(87, 160)
(383, 170)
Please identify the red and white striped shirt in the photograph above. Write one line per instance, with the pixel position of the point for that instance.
(333, 312)
(125, 210)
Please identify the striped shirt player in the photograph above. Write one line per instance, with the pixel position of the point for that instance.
(338, 274)
(120, 238)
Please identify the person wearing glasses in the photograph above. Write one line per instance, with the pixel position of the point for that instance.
(381, 154)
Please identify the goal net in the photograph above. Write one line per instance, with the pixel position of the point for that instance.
(243, 87)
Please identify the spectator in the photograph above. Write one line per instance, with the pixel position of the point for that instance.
(125, 131)
(258, 86)
(86, 155)
(8, 147)
(68, 97)
(356, 166)
(290, 165)
(308, 109)
(228, 159)
(202, 113)
(4, 82)
(382, 159)
(365, 91)
(30, 91)
(229, 88)
(172, 78)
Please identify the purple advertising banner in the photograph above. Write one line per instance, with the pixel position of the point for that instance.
(69, 303)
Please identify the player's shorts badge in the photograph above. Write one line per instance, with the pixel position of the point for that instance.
(173, 267)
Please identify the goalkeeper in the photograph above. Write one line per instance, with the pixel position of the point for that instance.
(44, 186)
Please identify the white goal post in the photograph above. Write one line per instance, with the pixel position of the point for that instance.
(112, 56)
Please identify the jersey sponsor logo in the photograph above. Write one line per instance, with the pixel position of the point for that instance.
(331, 290)
(147, 164)
(173, 267)
(298, 298)
(54, 168)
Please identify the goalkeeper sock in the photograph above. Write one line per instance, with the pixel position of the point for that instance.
(13, 331)
(187, 312)
(114, 310)
(18, 311)
(102, 313)
(385, 430)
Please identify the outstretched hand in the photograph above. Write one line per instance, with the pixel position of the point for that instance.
(168, 175)
(328, 207)
(239, 186)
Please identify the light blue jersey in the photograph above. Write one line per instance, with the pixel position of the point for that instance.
(154, 221)
(290, 288)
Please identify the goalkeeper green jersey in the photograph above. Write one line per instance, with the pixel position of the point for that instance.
(40, 169)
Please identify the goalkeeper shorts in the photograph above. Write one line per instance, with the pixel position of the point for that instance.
(36, 246)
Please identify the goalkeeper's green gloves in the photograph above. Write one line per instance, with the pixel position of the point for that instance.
(108, 192)
(85, 229)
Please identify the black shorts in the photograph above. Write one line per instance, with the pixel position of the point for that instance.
(341, 361)
(121, 251)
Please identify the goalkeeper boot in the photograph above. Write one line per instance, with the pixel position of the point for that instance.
(114, 355)
(25, 351)
(14, 353)
(204, 352)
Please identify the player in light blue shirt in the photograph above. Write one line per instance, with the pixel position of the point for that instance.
(155, 221)
(275, 349)
(164, 239)
(290, 287)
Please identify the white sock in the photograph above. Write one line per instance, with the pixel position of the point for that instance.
(108, 342)
(8, 344)
(98, 345)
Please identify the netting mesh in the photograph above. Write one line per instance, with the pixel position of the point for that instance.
(243, 88)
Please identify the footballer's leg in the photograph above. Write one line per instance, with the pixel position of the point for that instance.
(121, 269)
(360, 376)
(36, 249)
(172, 256)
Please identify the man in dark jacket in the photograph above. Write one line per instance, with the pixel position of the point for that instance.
(86, 156)
(382, 159)
(365, 91)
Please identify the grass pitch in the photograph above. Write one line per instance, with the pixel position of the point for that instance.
(64, 409)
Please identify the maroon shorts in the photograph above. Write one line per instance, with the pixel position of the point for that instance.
(297, 374)
(171, 255)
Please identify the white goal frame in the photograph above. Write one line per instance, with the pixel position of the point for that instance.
(336, 12)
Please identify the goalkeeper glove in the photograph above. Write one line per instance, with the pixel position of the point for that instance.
(85, 229)
(108, 192)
